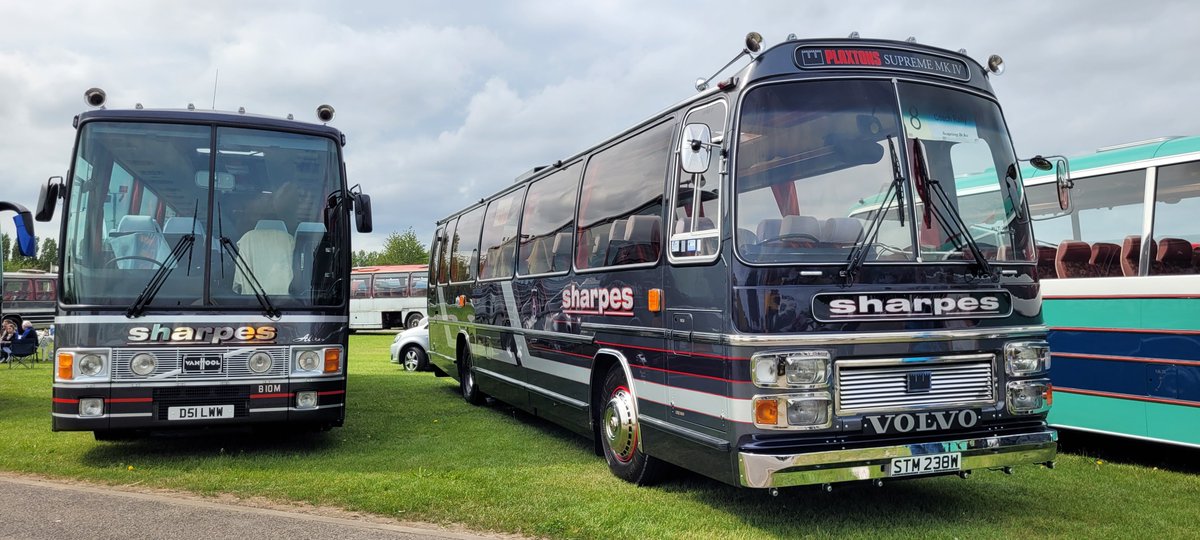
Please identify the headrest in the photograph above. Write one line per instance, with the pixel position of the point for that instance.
(841, 230)
(1174, 250)
(1103, 252)
(182, 225)
(562, 242)
(310, 227)
(274, 224)
(769, 228)
(800, 225)
(1073, 251)
(132, 223)
(642, 229)
(617, 232)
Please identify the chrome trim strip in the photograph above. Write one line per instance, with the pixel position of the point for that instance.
(268, 409)
(744, 340)
(219, 382)
(249, 316)
(715, 443)
(629, 330)
(118, 415)
(529, 387)
(770, 470)
(318, 407)
(527, 332)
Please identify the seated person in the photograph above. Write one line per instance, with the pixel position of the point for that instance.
(7, 334)
(28, 336)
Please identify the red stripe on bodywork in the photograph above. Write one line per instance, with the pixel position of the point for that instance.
(331, 392)
(705, 355)
(65, 400)
(1098, 393)
(129, 400)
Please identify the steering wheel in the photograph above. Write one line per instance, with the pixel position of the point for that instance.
(113, 261)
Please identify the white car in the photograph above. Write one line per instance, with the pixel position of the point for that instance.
(408, 349)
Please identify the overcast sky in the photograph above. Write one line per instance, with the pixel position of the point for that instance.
(445, 102)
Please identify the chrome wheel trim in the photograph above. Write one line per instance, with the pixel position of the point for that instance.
(468, 382)
(410, 359)
(620, 425)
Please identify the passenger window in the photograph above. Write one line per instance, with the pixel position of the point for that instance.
(391, 285)
(547, 222)
(360, 287)
(1101, 235)
(499, 244)
(694, 225)
(1176, 232)
(464, 247)
(621, 201)
(441, 268)
(419, 285)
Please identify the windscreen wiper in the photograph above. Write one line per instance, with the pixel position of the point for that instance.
(953, 223)
(160, 276)
(895, 190)
(259, 292)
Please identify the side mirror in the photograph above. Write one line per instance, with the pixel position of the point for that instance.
(695, 148)
(52, 191)
(362, 212)
(1062, 176)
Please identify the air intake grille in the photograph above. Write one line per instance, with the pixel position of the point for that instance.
(872, 385)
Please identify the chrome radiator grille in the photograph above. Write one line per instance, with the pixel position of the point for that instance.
(870, 385)
(170, 363)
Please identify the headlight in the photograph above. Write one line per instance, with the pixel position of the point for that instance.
(91, 365)
(91, 406)
(308, 361)
(142, 364)
(306, 400)
(798, 369)
(1029, 397)
(1025, 358)
(806, 411)
(259, 362)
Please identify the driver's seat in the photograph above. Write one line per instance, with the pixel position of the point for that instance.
(137, 244)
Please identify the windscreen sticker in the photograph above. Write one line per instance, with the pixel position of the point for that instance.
(938, 126)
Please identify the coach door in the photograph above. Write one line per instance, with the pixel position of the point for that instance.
(441, 340)
(696, 282)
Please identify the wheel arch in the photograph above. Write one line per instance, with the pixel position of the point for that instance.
(602, 361)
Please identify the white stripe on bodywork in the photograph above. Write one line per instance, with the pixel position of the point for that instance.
(737, 410)
(1177, 285)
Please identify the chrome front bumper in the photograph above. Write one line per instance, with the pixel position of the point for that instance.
(766, 471)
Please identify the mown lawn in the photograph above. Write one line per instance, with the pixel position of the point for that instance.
(413, 450)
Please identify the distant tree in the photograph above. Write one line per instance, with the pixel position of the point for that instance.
(404, 248)
(6, 240)
(48, 256)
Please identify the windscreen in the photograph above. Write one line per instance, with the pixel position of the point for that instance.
(149, 196)
(820, 162)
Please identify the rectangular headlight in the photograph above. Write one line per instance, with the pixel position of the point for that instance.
(794, 369)
(797, 411)
(1026, 358)
(1029, 397)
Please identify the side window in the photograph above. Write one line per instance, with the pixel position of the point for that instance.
(418, 284)
(621, 201)
(16, 289)
(1102, 234)
(45, 289)
(360, 286)
(499, 245)
(390, 285)
(1176, 233)
(547, 223)
(442, 247)
(694, 223)
(464, 247)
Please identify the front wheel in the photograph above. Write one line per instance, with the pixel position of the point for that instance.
(466, 381)
(620, 434)
(413, 358)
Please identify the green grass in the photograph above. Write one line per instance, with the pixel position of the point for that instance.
(413, 450)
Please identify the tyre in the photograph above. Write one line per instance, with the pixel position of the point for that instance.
(413, 320)
(620, 433)
(413, 358)
(466, 380)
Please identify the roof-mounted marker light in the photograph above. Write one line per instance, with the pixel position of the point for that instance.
(325, 113)
(95, 97)
(241, 110)
(191, 106)
(911, 39)
(290, 117)
(137, 106)
(995, 64)
(791, 37)
(853, 35)
(962, 51)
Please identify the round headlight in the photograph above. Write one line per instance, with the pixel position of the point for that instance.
(259, 362)
(142, 364)
(91, 365)
(309, 360)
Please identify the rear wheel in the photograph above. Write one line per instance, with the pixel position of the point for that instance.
(466, 380)
(620, 434)
(413, 358)
(413, 320)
